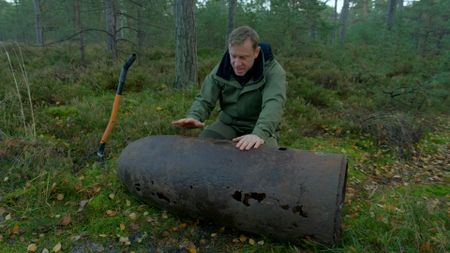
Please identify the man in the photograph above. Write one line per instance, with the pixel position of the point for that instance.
(251, 88)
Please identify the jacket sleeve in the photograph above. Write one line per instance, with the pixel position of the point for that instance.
(273, 100)
(206, 100)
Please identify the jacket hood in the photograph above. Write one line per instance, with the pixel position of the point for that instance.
(225, 69)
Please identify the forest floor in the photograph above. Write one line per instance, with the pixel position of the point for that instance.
(55, 196)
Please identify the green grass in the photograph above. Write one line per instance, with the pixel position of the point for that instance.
(44, 179)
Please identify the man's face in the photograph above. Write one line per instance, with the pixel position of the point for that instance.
(242, 57)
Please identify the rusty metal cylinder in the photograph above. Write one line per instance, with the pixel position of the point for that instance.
(286, 194)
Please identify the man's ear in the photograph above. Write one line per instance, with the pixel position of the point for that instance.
(257, 50)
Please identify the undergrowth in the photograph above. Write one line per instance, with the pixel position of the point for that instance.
(54, 190)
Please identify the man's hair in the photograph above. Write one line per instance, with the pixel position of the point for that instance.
(241, 34)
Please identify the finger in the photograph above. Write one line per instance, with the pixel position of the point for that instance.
(237, 139)
(258, 144)
(250, 145)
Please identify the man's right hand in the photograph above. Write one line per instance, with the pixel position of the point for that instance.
(188, 123)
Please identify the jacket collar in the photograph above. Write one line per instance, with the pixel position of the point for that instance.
(225, 70)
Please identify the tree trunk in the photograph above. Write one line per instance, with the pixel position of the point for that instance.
(111, 27)
(140, 30)
(231, 14)
(400, 5)
(186, 44)
(390, 14)
(38, 24)
(79, 29)
(343, 22)
(335, 22)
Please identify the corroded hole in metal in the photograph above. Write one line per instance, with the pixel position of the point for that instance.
(137, 187)
(253, 195)
(299, 210)
(162, 196)
(237, 195)
(285, 207)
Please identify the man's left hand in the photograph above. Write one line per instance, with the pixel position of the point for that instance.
(246, 142)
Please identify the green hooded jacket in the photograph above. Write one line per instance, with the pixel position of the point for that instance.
(255, 107)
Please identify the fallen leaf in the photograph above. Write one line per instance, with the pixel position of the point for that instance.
(164, 215)
(124, 240)
(214, 235)
(425, 247)
(111, 195)
(261, 243)
(251, 241)
(8, 217)
(192, 249)
(242, 238)
(65, 220)
(83, 203)
(133, 227)
(111, 213)
(75, 238)
(45, 250)
(128, 203)
(78, 186)
(60, 197)
(32, 247)
(15, 230)
(132, 216)
(122, 226)
(57, 247)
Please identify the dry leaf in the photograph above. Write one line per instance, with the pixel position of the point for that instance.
(78, 186)
(251, 241)
(124, 240)
(65, 220)
(57, 247)
(8, 217)
(164, 215)
(45, 250)
(32, 247)
(15, 230)
(111, 213)
(261, 243)
(214, 235)
(122, 226)
(60, 197)
(132, 216)
(128, 203)
(192, 249)
(111, 195)
(83, 203)
(75, 238)
(242, 238)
